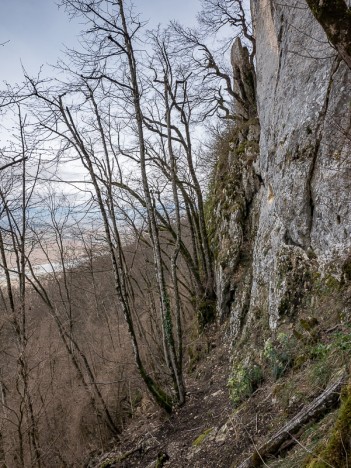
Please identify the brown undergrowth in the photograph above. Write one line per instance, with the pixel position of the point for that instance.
(209, 432)
(213, 429)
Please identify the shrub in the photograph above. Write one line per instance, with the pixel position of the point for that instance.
(278, 354)
(244, 380)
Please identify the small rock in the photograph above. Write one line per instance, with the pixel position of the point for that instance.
(219, 392)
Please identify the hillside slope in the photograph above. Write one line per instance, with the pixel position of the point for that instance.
(280, 219)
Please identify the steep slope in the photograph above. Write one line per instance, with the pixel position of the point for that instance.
(279, 216)
(283, 245)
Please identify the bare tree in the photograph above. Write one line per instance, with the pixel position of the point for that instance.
(217, 14)
(205, 58)
(129, 115)
(11, 163)
(15, 197)
(171, 117)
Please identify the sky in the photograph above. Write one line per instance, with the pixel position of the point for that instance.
(37, 30)
(34, 33)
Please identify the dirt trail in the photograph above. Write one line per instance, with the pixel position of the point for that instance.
(197, 435)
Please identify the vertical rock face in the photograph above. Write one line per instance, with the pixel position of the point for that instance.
(303, 93)
(303, 203)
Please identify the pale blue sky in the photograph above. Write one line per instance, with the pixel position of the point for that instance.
(37, 29)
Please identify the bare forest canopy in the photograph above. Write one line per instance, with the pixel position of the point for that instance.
(108, 274)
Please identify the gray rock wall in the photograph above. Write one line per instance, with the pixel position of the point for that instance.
(303, 93)
(304, 162)
(234, 197)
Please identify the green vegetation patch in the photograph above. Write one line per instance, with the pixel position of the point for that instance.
(279, 354)
(198, 441)
(243, 381)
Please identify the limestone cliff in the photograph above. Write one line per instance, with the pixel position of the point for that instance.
(288, 204)
(281, 217)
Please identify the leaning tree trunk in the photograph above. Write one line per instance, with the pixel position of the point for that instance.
(166, 315)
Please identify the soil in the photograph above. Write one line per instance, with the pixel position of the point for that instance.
(195, 435)
(207, 431)
(203, 433)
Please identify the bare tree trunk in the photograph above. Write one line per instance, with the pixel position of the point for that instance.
(166, 315)
(120, 281)
(180, 382)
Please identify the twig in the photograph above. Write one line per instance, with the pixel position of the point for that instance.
(310, 451)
